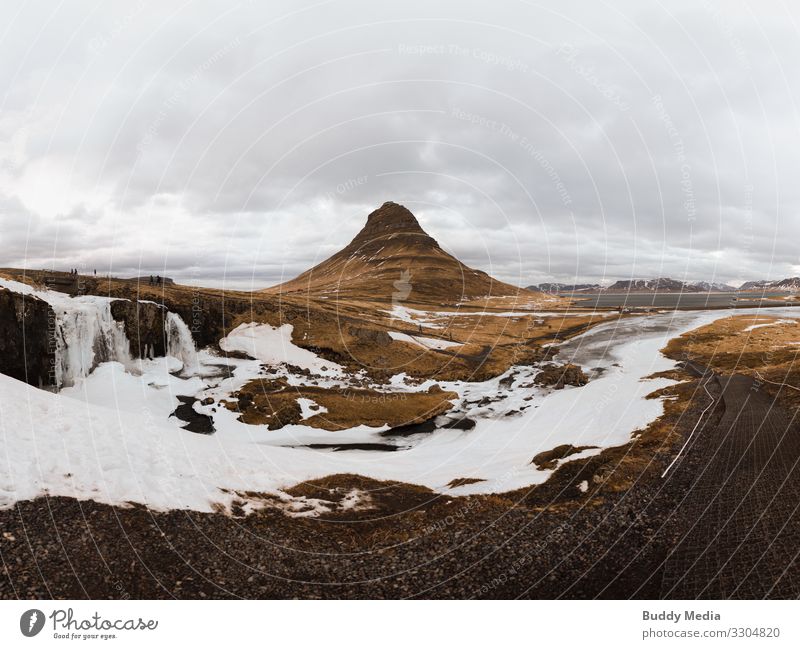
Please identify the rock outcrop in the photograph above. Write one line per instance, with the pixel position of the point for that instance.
(370, 336)
(209, 319)
(144, 326)
(27, 338)
(560, 375)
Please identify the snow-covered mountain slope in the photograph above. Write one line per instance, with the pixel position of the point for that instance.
(557, 287)
(666, 284)
(661, 284)
(789, 284)
(711, 287)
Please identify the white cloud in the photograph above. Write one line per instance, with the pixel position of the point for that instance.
(527, 138)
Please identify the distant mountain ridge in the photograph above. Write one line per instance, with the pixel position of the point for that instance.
(788, 284)
(557, 287)
(658, 285)
(669, 285)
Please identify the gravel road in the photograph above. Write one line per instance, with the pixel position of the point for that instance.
(723, 523)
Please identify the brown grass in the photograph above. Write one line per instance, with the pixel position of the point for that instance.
(764, 353)
(353, 331)
(548, 460)
(273, 403)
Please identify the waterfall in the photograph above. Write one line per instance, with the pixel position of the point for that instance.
(180, 343)
(86, 335)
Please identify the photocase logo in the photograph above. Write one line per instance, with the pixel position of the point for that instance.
(31, 622)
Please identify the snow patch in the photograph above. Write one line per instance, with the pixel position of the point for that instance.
(309, 408)
(412, 316)
(273, 345)
(769, 324)
(422, 341)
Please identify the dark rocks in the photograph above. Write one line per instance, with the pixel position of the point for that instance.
(144, 326)
(406, 430)
(355, 446)
(531, 353)
(245, 400)
(195, 421)
(419, 544)
(296, 370)
(210, 319)
(63, 283)
(508, 381)
(27, 338)
(461, 423)
(560, 375)
(288, 412)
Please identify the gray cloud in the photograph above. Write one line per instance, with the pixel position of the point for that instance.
(239, 145)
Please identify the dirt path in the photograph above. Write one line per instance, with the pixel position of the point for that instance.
(738, 525)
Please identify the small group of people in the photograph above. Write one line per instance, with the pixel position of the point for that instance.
(156, 281)
(73, 271)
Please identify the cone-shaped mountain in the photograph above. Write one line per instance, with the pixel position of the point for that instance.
(393, 259)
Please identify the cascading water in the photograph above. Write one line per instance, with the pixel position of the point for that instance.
(180, 343)
(86, 335)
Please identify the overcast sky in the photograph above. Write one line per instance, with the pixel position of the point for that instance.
(237, 144)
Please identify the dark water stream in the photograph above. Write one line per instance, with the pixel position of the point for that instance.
(195, 422)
